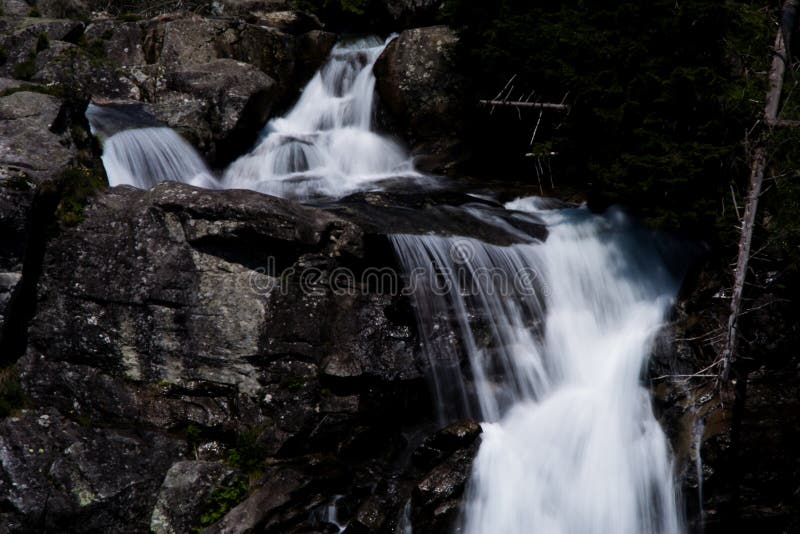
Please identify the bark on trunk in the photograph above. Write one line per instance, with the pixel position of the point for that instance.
(757, 168)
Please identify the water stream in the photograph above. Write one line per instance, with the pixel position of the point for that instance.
(325, 146)
(556, 333)
(557, 336)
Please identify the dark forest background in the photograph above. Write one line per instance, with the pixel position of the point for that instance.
(665, 98)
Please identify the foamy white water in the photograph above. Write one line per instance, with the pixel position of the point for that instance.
(325, 146)
(557, 333)
(570, 443)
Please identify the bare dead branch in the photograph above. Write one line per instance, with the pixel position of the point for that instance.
(518, 104)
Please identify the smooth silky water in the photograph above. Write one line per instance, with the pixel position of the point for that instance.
(324, 147)
(143, 157)
(558, 339)
(557, 333)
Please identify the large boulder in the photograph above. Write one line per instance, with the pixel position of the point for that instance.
(21, 39)
(177, 44)
(422, 91)
(121, 43)
(187, 489)
(215, 80)
(246, 330)
(64, 9)
(439, 213)
(15, 8)
(33, 141)
(219, 106)
(178, 261)
(218, 321)
(78, 70)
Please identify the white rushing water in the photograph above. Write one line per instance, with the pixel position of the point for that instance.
(557, 339)
(143, 157)
(325, 146)
(557, 333)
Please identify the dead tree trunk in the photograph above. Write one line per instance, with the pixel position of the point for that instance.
(757, 168)
(519, 104)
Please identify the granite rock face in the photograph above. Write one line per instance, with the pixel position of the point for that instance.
(218, 106)
(423, 93)
(197, 338)
(215, 80)
(33, 143)
(59, 475)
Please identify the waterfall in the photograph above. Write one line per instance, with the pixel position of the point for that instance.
(324, 146)
(557, 335)
(143, 157)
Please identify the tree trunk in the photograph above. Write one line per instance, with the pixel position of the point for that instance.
(757, 168)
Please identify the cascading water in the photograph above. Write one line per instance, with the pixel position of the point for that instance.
(324, 146)
(143, 157)
(557, 335)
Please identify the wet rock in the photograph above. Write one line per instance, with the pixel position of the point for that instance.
(420, 87)
(737, 434)
(369, 517)
(311, 51)
(190, 315)
(186, 489)
(30, 146)
(441, 213)
(436, 498)
(178, 263)
(108, 117)
(443, 443)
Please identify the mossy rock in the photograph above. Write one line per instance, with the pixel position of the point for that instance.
(77, 185)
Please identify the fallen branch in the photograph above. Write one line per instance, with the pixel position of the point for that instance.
(519, 104)
(784, 123)
(699, 374)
